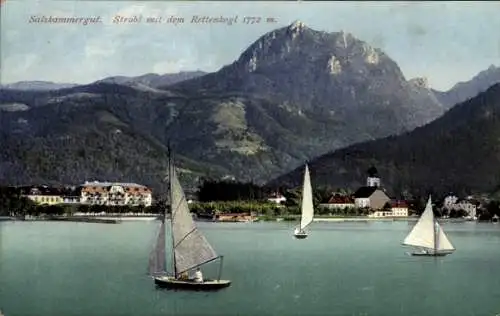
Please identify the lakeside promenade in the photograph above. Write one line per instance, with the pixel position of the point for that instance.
(383, 219)
(87, 218)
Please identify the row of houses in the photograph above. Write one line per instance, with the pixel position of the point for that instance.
(452, 202)
(372, 196)
(91, 193)
(397, 208)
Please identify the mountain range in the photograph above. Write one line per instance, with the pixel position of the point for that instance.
(465, 90)
(457, 153)
(292, 95)
(149, 80)
(37, 85)
(154, 80)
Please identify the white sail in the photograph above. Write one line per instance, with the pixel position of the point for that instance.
(191, 248)
(307, 200)
(442, 242)
(157, 259)
(422, 234)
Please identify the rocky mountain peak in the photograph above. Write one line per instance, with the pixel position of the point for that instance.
(296, 27)
(420, 82)
(274, 46)
(315, 71)
(299, 46)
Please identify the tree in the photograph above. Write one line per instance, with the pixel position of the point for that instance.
(211, 190)
(457, 213)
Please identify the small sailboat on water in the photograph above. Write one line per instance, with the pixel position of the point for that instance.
(190, 249)
(307, 207)
(428, 236)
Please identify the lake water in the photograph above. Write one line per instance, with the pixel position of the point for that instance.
(57, 268)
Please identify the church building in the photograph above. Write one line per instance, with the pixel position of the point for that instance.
(371, 195)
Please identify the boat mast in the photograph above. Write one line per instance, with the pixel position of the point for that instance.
(220, 267)
(170, 174)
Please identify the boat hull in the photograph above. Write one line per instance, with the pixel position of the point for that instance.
(190, 285)
(300, 236)
(430, 254)
(299, 233)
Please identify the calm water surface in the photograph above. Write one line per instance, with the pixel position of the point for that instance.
(56, 268)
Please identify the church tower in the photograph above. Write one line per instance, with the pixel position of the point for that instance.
(373, 179)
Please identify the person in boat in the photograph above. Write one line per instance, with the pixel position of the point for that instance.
(184, 276)
(299, 231)
(198, 276)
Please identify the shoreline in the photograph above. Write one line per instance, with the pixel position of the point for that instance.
(149, 218)
(124, 218)
(81, 219)
(378, 219)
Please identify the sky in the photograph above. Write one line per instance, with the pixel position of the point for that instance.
(445, 42)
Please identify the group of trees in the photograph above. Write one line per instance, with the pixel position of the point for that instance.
(489, 211)
(11, 202)
(212, 190)
(211, 208)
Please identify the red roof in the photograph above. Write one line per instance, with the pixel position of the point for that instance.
(338, 199)
(402, 204)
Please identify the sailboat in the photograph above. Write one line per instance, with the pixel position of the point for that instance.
(307, 207)
(189, 247)
(428, 235)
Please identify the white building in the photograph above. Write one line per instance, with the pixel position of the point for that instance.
(381, 213)
(277, 198)
(339, 202)
(371, 195)
(452, 202)
(400, 209)
(449, 201)
(467, 206)
(373, 180)
(71, 199)
(113, 193)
